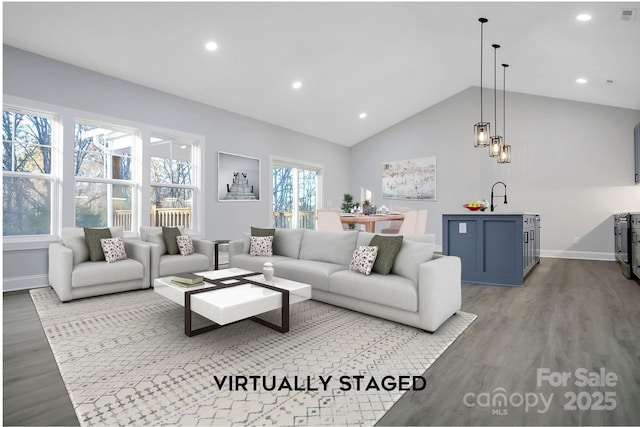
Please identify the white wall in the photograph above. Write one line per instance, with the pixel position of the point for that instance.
(44, 80)
(572, 162)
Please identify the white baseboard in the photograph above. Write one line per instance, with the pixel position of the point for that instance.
(24, 282)
(596, 256)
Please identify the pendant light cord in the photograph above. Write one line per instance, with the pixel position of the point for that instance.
(495, 89)
(481, 55)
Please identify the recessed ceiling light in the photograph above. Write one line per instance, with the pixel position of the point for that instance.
(211, 46)
(362, 115)
(581, 81)
(583, 17)
(297, 84)
(183, 146)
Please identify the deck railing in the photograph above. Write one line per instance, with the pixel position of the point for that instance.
(160, 217)
(307, 219)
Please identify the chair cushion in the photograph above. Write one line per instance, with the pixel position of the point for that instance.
(173, 264)
(157, 239)
(390, 290)
(93, 237)
(73, 238)
(185, 245)
(113, 249)
(170, 234)
(388, 248)
(101, 272)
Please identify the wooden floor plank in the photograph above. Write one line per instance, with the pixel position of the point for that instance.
(570, 314)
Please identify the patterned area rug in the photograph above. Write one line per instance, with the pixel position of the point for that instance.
(125, 360)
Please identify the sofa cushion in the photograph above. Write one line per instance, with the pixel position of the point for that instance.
(172, 264)
(363, 259)
(170, 235)
(388, 248)
(262, 232)
(254, 263)
(185, 245)
(365, 237)
(390, 290)
(314, 273)
(261, 246)
(409, 258)
(286, 242)
(93, 237)
(328, 246)
(99, 273)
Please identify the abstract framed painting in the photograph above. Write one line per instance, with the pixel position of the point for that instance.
(238, 178)
(413, 179)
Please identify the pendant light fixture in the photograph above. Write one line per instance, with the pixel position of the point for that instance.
(505, 152)
(496, 141)
(481, 129)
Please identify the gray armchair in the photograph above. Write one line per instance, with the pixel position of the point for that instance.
(72, 275)
(163, 264)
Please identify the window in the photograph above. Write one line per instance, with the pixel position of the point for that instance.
(103, 170)
(28, 178)
(295, 195)
(172, 181)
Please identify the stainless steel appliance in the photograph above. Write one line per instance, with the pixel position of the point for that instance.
(622, 236)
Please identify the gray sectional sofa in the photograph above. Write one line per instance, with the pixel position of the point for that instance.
(422, 290)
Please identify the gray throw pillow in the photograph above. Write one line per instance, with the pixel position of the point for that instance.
(262, 232)
(93, 236)
(170, 235)
(388, 248)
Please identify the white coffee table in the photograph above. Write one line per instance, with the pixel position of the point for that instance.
(234, 294)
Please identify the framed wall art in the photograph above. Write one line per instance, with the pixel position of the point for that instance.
(238, 178)
(413, 179)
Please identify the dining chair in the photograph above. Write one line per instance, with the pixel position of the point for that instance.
(409, 223)
(394, 226)
(421, 222)
(328, 220)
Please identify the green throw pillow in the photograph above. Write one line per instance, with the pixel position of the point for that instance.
(388, 248)
(262, 232)
(169, 234)
(93, 236)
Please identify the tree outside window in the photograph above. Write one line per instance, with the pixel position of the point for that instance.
(27, 173)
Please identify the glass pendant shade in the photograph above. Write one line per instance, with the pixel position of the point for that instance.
(481, 134)
(495, 146)
(505, 154)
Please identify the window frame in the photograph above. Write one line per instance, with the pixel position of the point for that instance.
(54, 176)
(135, 171)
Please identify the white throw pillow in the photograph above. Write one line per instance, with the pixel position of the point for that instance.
(113, 249)
(185, 245)
(363, 259)
(261, 246)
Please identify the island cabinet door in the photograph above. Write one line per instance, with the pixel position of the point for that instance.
(489, 246)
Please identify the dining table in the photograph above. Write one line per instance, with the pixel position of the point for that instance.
(370, 221)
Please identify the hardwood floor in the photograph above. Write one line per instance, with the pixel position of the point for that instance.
(571, 314)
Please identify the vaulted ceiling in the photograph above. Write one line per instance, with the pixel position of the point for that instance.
(388, 60)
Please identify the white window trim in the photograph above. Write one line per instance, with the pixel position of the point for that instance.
(63, 206)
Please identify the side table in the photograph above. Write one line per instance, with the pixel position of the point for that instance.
(216, 250)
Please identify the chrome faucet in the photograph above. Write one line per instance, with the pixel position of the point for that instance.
(505, 194)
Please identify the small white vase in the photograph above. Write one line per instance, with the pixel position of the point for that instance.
(267, 271)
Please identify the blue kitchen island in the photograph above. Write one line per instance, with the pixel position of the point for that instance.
(495, 248)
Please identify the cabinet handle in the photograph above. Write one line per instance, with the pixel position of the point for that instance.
(533, 235)
(526, 236)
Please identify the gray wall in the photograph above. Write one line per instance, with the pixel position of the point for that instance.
(572, 163)
(41, 79)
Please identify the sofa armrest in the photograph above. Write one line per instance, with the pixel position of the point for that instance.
(60, 268)
(154, 266)
(204, 247)
(439, 290)
(141, 252)
(236, 247)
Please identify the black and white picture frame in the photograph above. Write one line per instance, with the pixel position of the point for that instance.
(238, 178)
